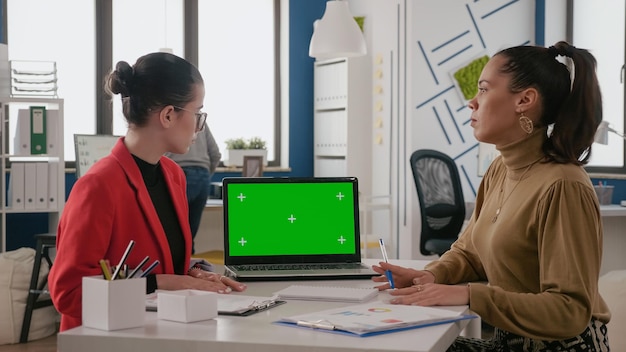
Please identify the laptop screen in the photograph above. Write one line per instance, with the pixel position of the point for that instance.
(287, 220)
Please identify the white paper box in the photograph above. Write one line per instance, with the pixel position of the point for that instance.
(186, 306)
(113, 305)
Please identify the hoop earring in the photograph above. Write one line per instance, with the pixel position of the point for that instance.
(526, 124)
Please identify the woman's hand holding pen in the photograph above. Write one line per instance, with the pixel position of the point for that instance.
(402, 277)
(202, 280)
(417, 287)
(431, 294)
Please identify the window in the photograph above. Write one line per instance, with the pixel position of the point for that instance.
(589, 25)
(133, 36)
(237, 54)
(49, 34)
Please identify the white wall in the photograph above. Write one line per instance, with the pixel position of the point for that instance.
(417, 44)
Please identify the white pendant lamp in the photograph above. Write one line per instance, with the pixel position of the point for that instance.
(602, 133)
(337, 34)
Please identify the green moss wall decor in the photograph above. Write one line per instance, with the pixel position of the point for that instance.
(466, 78)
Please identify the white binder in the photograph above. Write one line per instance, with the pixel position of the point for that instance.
(21, 143)
(53, 176)
(16, 186)
(52, 134)
(30, 182)
(41, 187)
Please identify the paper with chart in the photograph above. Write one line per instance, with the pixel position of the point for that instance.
(374, 318)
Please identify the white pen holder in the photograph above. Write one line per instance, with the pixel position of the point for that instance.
(113, 305)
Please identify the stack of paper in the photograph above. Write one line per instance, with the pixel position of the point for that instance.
(228, 304)
(327, 293)
(374, 318)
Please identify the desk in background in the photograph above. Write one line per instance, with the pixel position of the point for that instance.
(257, 333)
(210, 236)
(614, 239)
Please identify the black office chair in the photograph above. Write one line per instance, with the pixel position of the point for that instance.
(440, 195)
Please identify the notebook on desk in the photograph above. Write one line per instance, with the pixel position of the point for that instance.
(292, 228)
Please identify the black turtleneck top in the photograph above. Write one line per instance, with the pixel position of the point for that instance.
(157, 188)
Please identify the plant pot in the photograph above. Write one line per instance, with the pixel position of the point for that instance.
(235, 156)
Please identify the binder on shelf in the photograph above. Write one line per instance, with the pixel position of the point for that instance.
(41, 187)
(53, 177)
(38, 140)
(21, 143)
(16, 186)
(30, 181)
(52, 132)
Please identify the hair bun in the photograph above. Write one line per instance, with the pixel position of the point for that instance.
(125, 78)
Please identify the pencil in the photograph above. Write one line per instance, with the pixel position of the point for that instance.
(105, 269)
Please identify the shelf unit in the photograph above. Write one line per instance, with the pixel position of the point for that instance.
(342, 120)
(343, 140)
(9, 110)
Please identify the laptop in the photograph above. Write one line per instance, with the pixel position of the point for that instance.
(289, 228)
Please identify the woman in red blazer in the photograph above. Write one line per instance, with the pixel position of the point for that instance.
(136, 193)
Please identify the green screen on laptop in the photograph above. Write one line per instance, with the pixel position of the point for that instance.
(290, 218)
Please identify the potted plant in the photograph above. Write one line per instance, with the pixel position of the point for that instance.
(236, 148)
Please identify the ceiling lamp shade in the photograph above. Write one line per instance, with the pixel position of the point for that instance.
(602, 133)
(337, 34)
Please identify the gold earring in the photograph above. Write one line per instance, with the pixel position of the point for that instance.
(526, 123)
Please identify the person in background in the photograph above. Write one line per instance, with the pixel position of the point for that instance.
(135, 193)
(533, 247)
(199, 164)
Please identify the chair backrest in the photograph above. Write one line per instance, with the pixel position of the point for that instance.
(440, 195)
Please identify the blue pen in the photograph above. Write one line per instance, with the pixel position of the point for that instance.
(386, 259)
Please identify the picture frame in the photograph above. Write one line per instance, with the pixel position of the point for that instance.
(252, 166)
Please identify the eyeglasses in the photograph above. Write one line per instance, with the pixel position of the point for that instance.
(200, 117)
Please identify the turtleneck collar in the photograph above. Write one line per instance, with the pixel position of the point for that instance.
(150, 172)
(518, 155)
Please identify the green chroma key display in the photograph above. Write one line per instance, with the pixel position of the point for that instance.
(291, 219)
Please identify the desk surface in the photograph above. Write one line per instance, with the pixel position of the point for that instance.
(612, 210)
(257, 333)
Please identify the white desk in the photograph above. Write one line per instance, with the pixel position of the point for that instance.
(256, 333)
(614, 238)
(210, 234)
(612, 210)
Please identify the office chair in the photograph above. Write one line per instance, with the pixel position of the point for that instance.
(440, 195)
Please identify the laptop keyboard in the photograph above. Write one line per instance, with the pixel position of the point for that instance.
(315, 266)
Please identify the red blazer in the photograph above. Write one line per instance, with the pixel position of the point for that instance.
(108, 207)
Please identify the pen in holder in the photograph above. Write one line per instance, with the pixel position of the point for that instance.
(113, 304)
